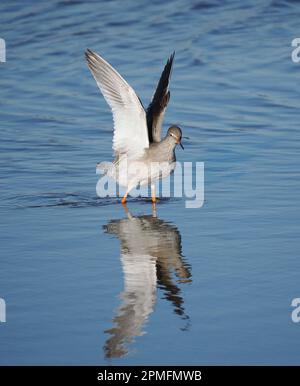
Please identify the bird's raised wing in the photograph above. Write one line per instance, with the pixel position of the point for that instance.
(130, 125)
(156, 109)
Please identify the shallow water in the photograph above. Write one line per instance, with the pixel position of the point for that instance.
(206, 286)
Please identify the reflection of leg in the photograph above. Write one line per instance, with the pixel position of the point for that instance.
(154, 213)
(127, 211)
(153, 195)
(124, 198)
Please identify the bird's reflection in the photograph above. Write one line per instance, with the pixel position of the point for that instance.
(151, 257)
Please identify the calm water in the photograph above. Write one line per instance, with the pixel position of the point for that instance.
(84, 283)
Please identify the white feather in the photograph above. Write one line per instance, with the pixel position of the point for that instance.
(130, 125)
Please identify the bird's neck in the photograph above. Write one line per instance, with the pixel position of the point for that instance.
(168, 146)
(169, 142)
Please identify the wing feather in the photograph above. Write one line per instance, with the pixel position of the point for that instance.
(130, 125)
(157, 108)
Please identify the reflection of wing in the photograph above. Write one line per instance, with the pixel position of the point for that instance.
(157, 108)
(138, 300)
(169, 260)
(150, 254)
(139, 289)
(130, 127)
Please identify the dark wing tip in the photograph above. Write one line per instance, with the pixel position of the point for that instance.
(91, 57)
(167, 72)
(92, 60)
(171, 59)
(88, 52)
(162, 95)
(88, 56)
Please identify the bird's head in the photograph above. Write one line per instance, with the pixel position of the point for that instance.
(175, 133)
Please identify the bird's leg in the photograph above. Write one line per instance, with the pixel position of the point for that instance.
(124, 198)
(153, 195)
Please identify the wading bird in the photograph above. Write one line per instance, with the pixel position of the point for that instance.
(141, 156)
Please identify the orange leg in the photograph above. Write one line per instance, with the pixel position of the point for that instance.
(124, 198)
(153, 195)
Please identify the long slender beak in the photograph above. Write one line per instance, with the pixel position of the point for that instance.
(181, 145)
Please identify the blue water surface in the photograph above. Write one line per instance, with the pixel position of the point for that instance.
(83, 282)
